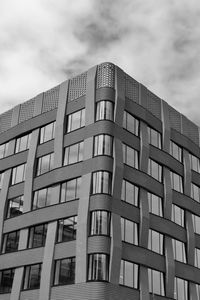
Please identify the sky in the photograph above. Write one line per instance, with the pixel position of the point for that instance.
(157, 42)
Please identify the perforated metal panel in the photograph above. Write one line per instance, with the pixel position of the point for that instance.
(77, 87)
(153, 104)
(131, 88)
(50, 99)
(175, 119)
(190, 130)
(5, 120)
(106, 75)
(26, 110)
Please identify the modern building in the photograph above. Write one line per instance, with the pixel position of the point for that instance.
(100, 194)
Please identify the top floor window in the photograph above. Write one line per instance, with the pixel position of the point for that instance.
(130, 123)
(23, 143)
(76, 120)
(154, 137)
(47, 132)
(194, 162)
(3, 150)
(176, 151)
(105, 110)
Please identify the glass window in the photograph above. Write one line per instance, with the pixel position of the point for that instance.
(23, 143)
(176, 151)
(76, 120)
(45, 164)
(103, 145)
(15, 207)
(70, 190)
(64, 272)
(130, 193)
(195, 192)
(10, 242)
(130, 156)
(98, 267)
(130, 123)
(6, 280)
(198, 291)
(129, 231)
(3, 150)
(18, 174)
(197, 258)
(156, 282)
(37, 236)
(154, 137)
(43, 197)
(155, 242)
(101, 182)
(67, 229)
(180, 289)
(100, 222)
(194, 163)
(178, 215)
(105, 110)
(32, 277)
(155, 170)
(179, 250)
(176, 182)
(196, 223)
(155, 204)
(1, 179)
(129, 274)
(73, 154)
(47, 132)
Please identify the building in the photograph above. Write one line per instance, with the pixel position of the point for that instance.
(100, 194)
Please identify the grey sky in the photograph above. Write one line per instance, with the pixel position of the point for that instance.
(44, 42)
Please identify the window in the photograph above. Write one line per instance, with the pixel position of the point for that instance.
(129, 274)
(6, 280)
(101, 183)
(47, 132)
(3, 150)
(10, 242)
(15, 207)
(103, 145)
(18, 174)
(178, 215)
(180, 289)
(64, 272)
(32, 277)
(130, 193)
(70, 190)
(98, 267)
(45, 164)
(1, 179)
(130, 123)
(76, 120)
(129, 231)
(130, 156)
(154, 137)
(155, 170)
(23, 143)
(100, 222)
(197, 258)
(176, 182)
(155, 205)
(176, 151)
(198, 291)
(105, 110)
(156, 282)
(155, 242)
(67, 229)
(195, 163)
(196, 223)
(179, 250)
(37, 236)
(195, 192)
(73, 154)
(43, 197)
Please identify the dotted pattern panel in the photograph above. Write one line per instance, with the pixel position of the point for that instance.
(50, 99)
(5, 120)
(26, 110)
(190, 130)
(175, 119)
(106, 75)
(77, 87)
(154, 104)
(131, 89)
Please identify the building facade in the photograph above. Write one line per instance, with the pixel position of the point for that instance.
(100, 194)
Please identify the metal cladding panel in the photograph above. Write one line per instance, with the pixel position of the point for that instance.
(106, 75)
(154, 104)
(77, 87)
(190, 130)
(26, 110)
(50, 99)
(5, 120)
(29, 295)
(175, 119)
(131, 88)
(100, 244)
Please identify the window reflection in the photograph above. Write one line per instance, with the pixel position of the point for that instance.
(196, 223)
(130, 193)
(154, 137)
(6, 280)
(176, 151)
(15, 207)
(155, 170)
(73, 154)
(129, 231)
(180, 289)
(67, 229)
(23, 143)
(179, 250)
(10, 242)
(155, 242)
(76, 120)
(70, 190)
(101, 182)
(178, 215)
(103, 145)
(47, 132)
(64, 272)
(194, 163)
(45, 164)
(32, 277)
(195, 192)
(197, 258)
(100, 223)
(43, 197)
(130, 156)
(3, 150)
(37, 236)
(18, 174)
(105, 110)
(98, 267)
(155, 204)
(156, 282)
(129, 274)
(176, 182)
(130, 123)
